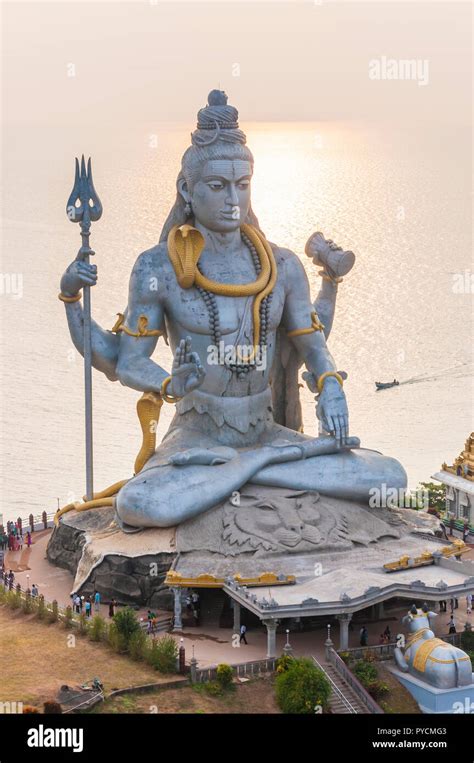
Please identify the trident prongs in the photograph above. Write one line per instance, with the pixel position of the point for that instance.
(84, 193)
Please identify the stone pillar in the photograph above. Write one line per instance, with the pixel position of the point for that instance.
(236, 607)
(344, 621)
(178, 621)
(271, 637)
(380, 610)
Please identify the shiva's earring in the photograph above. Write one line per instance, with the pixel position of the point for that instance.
(188, 209)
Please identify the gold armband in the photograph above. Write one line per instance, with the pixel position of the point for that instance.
(63, 298)
(168, 398)
(326, 277)
(316, 325)
(142, 328)
(324, 376)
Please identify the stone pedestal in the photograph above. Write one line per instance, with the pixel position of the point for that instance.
(432, 700)
(130, 568)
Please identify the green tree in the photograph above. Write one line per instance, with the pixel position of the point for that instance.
(83, 624)
(163, 654)
(116, 639)
(126, 623)
(302, 688)
(436, 495)
(224, 675)
(97, 629)
(27, 605)
(137, 645)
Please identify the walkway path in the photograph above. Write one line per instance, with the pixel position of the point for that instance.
(212, 644)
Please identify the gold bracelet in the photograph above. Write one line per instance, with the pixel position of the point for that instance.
(63, 298)
(324, 376)
(168, 398)
(333, 279)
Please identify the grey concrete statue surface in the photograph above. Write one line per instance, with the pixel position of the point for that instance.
(220, 292)
(430, 659)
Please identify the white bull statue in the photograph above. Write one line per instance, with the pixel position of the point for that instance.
(430, 659)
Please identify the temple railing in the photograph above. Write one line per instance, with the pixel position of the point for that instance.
(380, 651)
(240, 670)
(33, 523)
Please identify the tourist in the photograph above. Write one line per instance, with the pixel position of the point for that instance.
(149, 618)
(88, 607)
(112, 605)
(20, 541)
(28, 539)
(452, 625)
(465, 533)
(442, 605)
(363, 636)
(469, 603)
(243, 631)
(34, 590)
(81, 603)
(188, 602)
(77, 604)
(97, 601)
(388, 634)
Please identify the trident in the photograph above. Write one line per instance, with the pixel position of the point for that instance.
(84, 207)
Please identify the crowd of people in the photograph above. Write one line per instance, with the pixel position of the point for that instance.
(12, 538)
(88, 605)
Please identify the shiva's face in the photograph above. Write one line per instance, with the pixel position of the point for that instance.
(220, 198)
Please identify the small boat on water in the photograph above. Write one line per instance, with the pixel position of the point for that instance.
(387, 385)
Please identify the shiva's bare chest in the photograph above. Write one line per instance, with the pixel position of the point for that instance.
(188, 307)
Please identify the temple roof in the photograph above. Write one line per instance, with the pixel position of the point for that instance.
(463, 465)
(459, 483)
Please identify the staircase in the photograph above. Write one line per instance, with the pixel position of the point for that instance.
(343, 699)
(163, 624)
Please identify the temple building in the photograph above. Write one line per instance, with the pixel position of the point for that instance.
(459, 481)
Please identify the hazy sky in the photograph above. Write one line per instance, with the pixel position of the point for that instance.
(138, 62)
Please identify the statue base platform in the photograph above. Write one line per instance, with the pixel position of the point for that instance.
(335, 549)
(432, 700)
